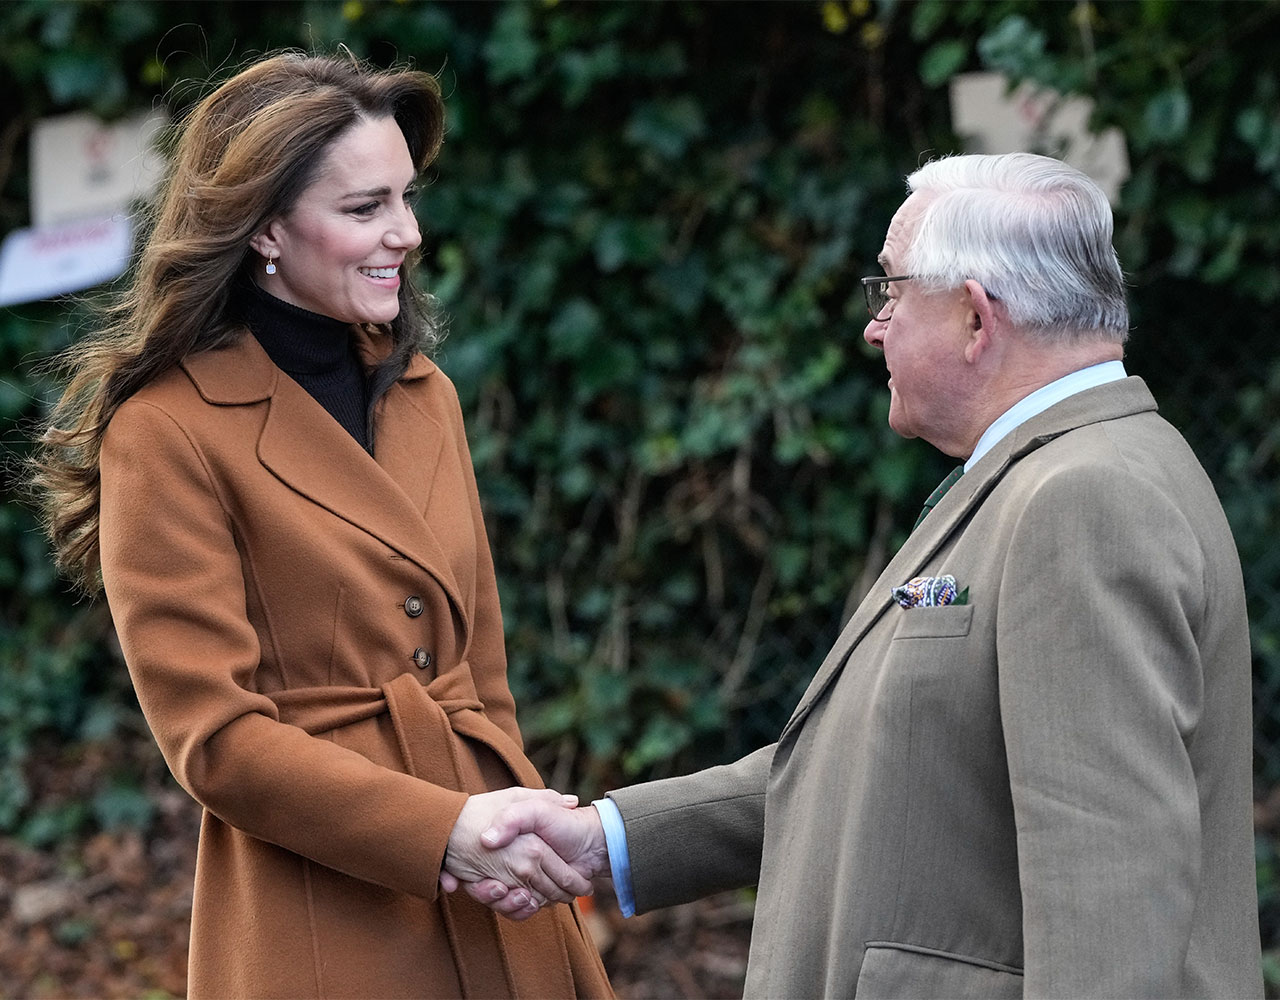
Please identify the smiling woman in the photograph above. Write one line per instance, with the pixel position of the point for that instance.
(274, 485)
(338, 251)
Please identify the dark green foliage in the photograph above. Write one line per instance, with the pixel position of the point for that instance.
(646, 228)
(655, 322)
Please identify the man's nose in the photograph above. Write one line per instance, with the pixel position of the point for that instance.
(873, 334)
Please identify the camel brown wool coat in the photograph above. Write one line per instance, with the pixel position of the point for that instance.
(315, 639)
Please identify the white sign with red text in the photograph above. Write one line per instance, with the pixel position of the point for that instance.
(52, 260)
(86, 175)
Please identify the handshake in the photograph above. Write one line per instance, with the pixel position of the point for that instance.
(518, 849)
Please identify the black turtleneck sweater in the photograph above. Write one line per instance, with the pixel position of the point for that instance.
(316, 352)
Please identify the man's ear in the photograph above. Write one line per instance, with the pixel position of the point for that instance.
(983, 321)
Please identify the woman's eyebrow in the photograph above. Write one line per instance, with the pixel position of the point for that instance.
(380, 192)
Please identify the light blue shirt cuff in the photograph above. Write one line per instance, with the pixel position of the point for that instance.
(615, 838)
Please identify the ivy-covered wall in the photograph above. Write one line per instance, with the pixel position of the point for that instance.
(646, 228)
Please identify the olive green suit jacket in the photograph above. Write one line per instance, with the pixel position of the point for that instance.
(1045, 791)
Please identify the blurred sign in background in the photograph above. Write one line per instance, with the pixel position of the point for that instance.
(994, 115)
(85, 175)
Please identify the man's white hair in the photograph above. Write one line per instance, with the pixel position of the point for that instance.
(1033, 231)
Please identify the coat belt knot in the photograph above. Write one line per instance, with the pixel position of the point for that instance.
(425, 719)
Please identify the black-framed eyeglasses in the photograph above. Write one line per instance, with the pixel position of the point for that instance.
(876, 291)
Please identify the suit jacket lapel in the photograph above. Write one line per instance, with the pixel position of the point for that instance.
(919, 548)
(1105, 402)
(309, 452)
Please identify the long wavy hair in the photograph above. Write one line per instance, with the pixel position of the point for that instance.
(242, 156)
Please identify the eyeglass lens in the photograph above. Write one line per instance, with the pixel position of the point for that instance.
(877, 298)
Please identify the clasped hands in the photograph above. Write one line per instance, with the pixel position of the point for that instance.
(518, 849)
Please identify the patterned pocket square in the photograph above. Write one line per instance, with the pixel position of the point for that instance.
(930, 592)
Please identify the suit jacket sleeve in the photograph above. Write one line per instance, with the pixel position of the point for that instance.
(697, 834)
(177, 591)
(1100, 688)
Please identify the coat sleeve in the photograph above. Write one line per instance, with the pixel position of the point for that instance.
(1101, 691)
(690, 836)
(488, 654)
(174, 580)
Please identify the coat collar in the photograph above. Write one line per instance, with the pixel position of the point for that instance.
(240, 373)
(384, 494)
(1122, 398)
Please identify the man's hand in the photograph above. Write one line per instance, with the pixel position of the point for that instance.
(576, 836)
(518, 870)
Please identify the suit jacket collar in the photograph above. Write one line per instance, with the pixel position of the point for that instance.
(385, 494)
(1123, 398)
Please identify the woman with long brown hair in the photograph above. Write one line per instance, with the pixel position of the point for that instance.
(270, 480)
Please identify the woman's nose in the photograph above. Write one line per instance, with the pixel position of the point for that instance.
(405, 234)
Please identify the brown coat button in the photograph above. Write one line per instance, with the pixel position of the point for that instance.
(422, 658)
(413, 606)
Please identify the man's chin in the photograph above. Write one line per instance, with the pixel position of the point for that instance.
(901, 427)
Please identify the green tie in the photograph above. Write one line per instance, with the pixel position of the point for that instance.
(952, 478)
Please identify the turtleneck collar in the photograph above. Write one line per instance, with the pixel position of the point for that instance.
(298, 341)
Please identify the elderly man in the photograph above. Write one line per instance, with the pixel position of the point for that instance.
(1024, 769)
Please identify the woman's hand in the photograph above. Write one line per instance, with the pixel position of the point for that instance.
(517, 875)
(575, 835)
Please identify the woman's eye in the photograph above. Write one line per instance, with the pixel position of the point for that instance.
(410, 195)
(368, 208)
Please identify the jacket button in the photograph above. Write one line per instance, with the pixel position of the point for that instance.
(422, 658)
(413, 606)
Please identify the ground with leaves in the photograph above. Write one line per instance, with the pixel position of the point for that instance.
(106, 914)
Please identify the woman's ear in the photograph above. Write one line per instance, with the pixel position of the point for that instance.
(264, 241)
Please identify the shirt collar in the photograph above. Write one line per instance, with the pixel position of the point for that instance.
(1043, 398)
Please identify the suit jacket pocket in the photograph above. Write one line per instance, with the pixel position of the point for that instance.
(935, 623)
(891, 970)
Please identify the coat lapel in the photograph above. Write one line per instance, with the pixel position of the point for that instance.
(310, 452)
(408, 440)
(1105, 402)
(408, 444)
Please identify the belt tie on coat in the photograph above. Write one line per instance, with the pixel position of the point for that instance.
(423, 716)
(425, 719)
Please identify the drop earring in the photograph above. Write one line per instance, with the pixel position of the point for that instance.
(271, 265)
